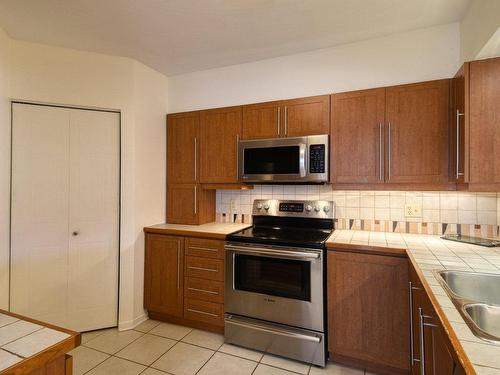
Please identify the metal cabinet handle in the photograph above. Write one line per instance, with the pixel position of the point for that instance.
(412, 349)
(286, 121)
(380, 175)
(458, 144)
(202, 312)
(195, 158)
(203, 291)
(178, 264)
(195, 199)
(237, 154)
(423, 324)
(278, 120)
(202, 269)
(389, 152)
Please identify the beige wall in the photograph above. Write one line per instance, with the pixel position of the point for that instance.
(480, 22)
(418, 55)
(62, 76)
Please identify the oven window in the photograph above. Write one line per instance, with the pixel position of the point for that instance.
(273, 276)
(272, 160)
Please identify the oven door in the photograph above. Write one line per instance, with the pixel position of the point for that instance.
(271, 160)
(277, 284)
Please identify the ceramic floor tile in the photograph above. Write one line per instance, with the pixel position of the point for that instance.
(35, 342)
(269, 370)
(117, 366)
(238, 351)
(203, 338)
(224, 364)
(171, 331)
(183, 359)
(85, 359)
(335, 369)
(286, 364)
(147, 325)
(146, 349)
(87, 336)
(113, 341)
(152, 371)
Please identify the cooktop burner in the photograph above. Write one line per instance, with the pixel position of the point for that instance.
(288, 223)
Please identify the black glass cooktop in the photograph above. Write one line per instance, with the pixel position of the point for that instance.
(289, 236)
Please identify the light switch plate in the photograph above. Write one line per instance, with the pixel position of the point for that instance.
(413, 210)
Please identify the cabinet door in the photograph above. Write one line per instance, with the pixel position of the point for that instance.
(182, 203)
(163, 274)
(306, 116)
(220, 130)
(357, 137)
(417, 132)
(262, 121)
(458, 124)
(182, 147)
(485, 122)
(368, 310)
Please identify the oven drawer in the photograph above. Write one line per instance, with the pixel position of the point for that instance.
(203, 311)
(204, 268)
(204, 290)
(202, 247)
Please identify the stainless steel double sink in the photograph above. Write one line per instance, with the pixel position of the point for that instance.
(477, 297)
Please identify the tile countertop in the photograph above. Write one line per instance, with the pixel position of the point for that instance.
(429, 253)
(26, 344)
(210, 230)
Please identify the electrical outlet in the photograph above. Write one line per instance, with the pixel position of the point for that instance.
(232, 205)
(413, 210)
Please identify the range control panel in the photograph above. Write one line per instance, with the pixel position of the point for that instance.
(317, 158)
(275, 207)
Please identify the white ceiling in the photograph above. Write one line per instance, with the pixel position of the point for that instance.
(179, 36)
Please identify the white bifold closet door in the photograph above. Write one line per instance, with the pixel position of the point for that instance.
(65, 215)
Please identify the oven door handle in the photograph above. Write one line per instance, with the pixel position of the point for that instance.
(273, 330)
(273, 253)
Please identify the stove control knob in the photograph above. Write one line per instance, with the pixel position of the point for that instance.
(326, 209)
(317, 208)
(266, 207)
(308, 208)
(259, 206)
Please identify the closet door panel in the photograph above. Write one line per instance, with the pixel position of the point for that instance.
(93, 219)
(39, 217)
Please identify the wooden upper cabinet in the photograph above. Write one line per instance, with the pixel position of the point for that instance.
(417, 132)
(459, 119)
(190, 204)
(357, 136)
(220, 130)
(163, 274)
(484, 123)
(261, 121)
(182, 147)
(306, 116)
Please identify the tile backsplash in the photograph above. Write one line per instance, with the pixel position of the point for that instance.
(442, 211)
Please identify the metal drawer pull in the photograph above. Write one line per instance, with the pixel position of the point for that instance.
(412, 349)
(202, 269)
(202, 312)
(275, 331)
(273, 252)
(203, 248)
(203, 291)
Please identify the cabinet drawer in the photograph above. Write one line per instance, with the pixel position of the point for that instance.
(204, 290)
(205, 268)
(203, 311)
(202, 247)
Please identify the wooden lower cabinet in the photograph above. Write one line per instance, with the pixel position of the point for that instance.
(184, 280)
(428, 333)
(367, 301)
(61, 365)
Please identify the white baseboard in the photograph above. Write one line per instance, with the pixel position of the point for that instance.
(129, 324)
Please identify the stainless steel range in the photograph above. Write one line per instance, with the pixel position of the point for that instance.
(275, 280)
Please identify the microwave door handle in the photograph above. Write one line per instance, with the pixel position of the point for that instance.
(302, 160)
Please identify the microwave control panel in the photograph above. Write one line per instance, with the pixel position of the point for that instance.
(317, 158)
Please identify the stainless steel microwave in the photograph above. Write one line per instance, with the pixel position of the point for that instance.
(297, 159)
